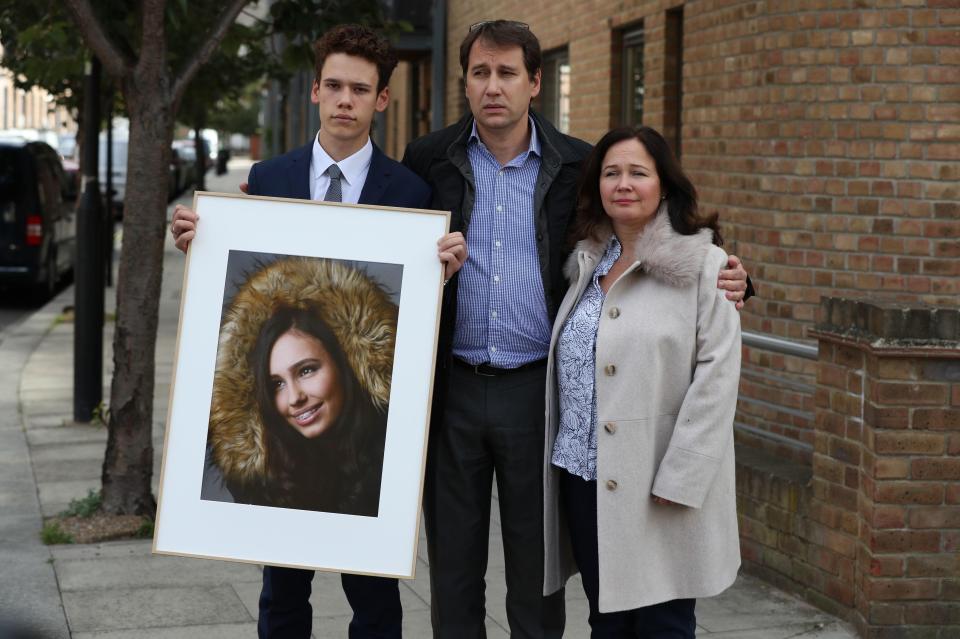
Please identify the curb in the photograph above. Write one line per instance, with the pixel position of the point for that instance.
(30, 596)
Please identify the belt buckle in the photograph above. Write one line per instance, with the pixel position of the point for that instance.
(477, 371)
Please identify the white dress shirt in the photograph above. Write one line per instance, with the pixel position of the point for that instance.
(354, 169)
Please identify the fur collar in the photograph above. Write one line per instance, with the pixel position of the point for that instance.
(663, 253)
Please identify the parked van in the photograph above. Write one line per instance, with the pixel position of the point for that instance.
(37, 222)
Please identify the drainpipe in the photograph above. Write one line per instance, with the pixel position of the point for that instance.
(438, 66)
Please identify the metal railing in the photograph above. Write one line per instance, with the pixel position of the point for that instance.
(785, 347)
(779, 345)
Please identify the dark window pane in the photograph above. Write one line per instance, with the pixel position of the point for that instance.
(555, 89)
(633, 77)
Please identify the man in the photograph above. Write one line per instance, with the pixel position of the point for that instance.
(353, 68)
(510, 178)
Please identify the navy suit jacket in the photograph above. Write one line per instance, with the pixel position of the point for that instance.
(388, 182)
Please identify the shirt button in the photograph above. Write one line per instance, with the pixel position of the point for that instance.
(614, 313)
(499, 208)
(610, 427)
(497, 243)
(493, 349)
(493, 314)
(500, 172)
(496, 278)
(610, 370)
(611, 484)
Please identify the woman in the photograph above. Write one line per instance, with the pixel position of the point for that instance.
(301, 388)
(643, 375)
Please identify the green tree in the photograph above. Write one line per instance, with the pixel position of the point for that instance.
(154, 50)
(222, 82)
(136, 51)
(40, 48)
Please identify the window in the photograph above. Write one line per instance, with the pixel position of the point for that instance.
(632, 93)
(555, 89)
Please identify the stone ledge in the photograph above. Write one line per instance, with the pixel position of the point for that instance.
(889, 326)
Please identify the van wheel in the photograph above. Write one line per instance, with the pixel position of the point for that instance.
(47, 286)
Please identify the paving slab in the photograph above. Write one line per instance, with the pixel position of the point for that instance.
(67, 452)
(69, 470)
(108, 549)
(47, 421)
(752, 604)
(142, 608)
(67, 433)
(834, 630)
(150, 571)
(219, 631)
(34, 421)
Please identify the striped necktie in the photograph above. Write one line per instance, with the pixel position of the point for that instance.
(334, 191)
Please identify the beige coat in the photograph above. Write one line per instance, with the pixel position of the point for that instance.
(667, 373)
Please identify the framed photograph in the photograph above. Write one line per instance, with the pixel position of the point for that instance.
(297, 426)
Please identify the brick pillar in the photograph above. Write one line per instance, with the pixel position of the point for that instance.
(886, 466)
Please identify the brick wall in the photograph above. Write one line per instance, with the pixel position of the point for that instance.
(872, 530)
(826, 133)
(827, 138)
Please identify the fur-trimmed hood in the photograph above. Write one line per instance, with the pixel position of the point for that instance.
(355, 308)
(663, 253)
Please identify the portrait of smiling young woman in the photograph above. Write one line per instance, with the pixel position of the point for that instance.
(302, 384)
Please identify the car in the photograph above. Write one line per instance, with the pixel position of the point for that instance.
(118, 184)
(67, 147)
(187, 152)
(38, 233)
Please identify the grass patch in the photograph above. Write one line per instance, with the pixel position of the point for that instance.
(145, 531)
(65, 316)
(52, 533)
(101, 414)
(85, 506)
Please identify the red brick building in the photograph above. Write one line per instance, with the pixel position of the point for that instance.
(826, 133)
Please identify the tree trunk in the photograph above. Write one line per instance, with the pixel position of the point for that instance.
(128, 463)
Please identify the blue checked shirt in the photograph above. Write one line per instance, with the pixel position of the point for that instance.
(501, 308)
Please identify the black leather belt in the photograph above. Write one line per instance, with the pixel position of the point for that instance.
(486, 370)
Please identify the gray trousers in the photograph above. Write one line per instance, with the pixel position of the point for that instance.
(490, 426)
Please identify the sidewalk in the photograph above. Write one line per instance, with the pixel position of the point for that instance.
(119, 589)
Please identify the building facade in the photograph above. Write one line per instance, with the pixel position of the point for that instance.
(826, 134)
(31, 109)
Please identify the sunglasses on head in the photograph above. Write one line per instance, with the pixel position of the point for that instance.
(510, 23)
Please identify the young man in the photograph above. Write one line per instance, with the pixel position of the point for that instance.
(511, 177)
(353, 68)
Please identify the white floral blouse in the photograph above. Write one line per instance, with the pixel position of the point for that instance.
(575, 449)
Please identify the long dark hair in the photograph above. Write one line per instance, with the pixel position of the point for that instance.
(674, 184)
(331, 472)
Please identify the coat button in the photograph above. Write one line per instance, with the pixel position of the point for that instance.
(611, 484)
(610, 370)
(614, 313)
(610, 427)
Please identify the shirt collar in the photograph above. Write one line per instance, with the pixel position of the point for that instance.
(352, 167)
(534, 137)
